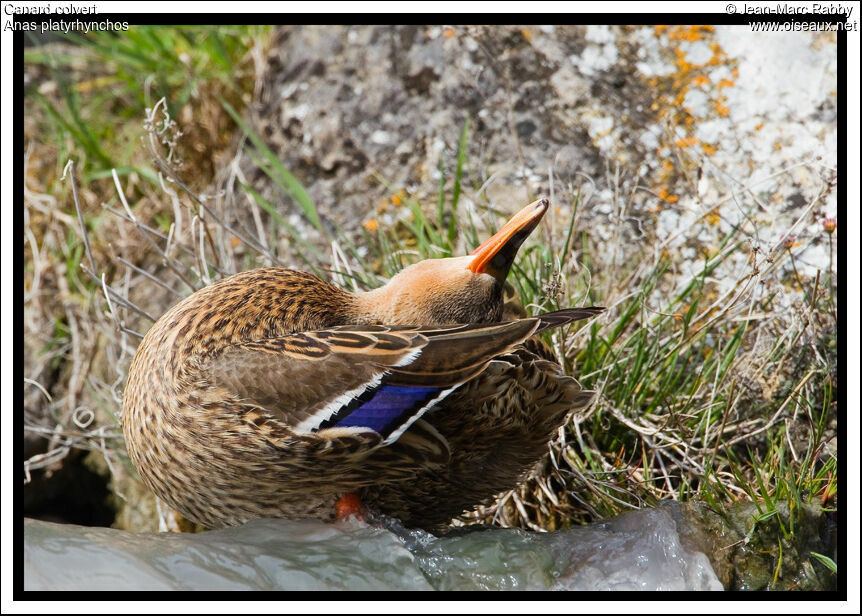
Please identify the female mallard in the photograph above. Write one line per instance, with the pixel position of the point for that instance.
(272, 393)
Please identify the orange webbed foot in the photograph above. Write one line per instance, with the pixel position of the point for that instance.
(349, 505)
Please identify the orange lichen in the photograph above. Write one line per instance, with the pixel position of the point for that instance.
(681, 63)
(664, 195)
(686, 33)
(398, 198)
(527, 35)
(371, 225)
(449, 32)
(713, 218)
(671, 95)
(691, 35)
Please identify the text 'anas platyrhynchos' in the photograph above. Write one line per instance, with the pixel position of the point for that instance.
(272, 393)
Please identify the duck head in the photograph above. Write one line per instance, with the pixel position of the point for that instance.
(465, 289)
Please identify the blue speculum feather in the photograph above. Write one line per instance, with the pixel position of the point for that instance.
(388, 408)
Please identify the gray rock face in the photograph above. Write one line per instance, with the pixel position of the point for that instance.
(657, 129)
(343, 104)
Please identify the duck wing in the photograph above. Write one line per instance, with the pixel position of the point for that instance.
(366, 378)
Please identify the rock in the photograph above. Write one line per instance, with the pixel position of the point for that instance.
(640, 550)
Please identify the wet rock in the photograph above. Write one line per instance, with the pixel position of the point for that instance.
(671, 547)
(265, 554)
(641, 550)
(751, 549)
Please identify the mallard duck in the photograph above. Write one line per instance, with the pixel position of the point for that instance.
(273, 393)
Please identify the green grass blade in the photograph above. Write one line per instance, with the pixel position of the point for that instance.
(459, 172)
(277, 171)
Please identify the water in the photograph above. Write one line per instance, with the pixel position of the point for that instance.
(641, 550)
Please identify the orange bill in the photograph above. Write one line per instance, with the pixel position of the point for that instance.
(496, 255)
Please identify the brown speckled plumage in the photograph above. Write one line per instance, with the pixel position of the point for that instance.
(223, 403)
